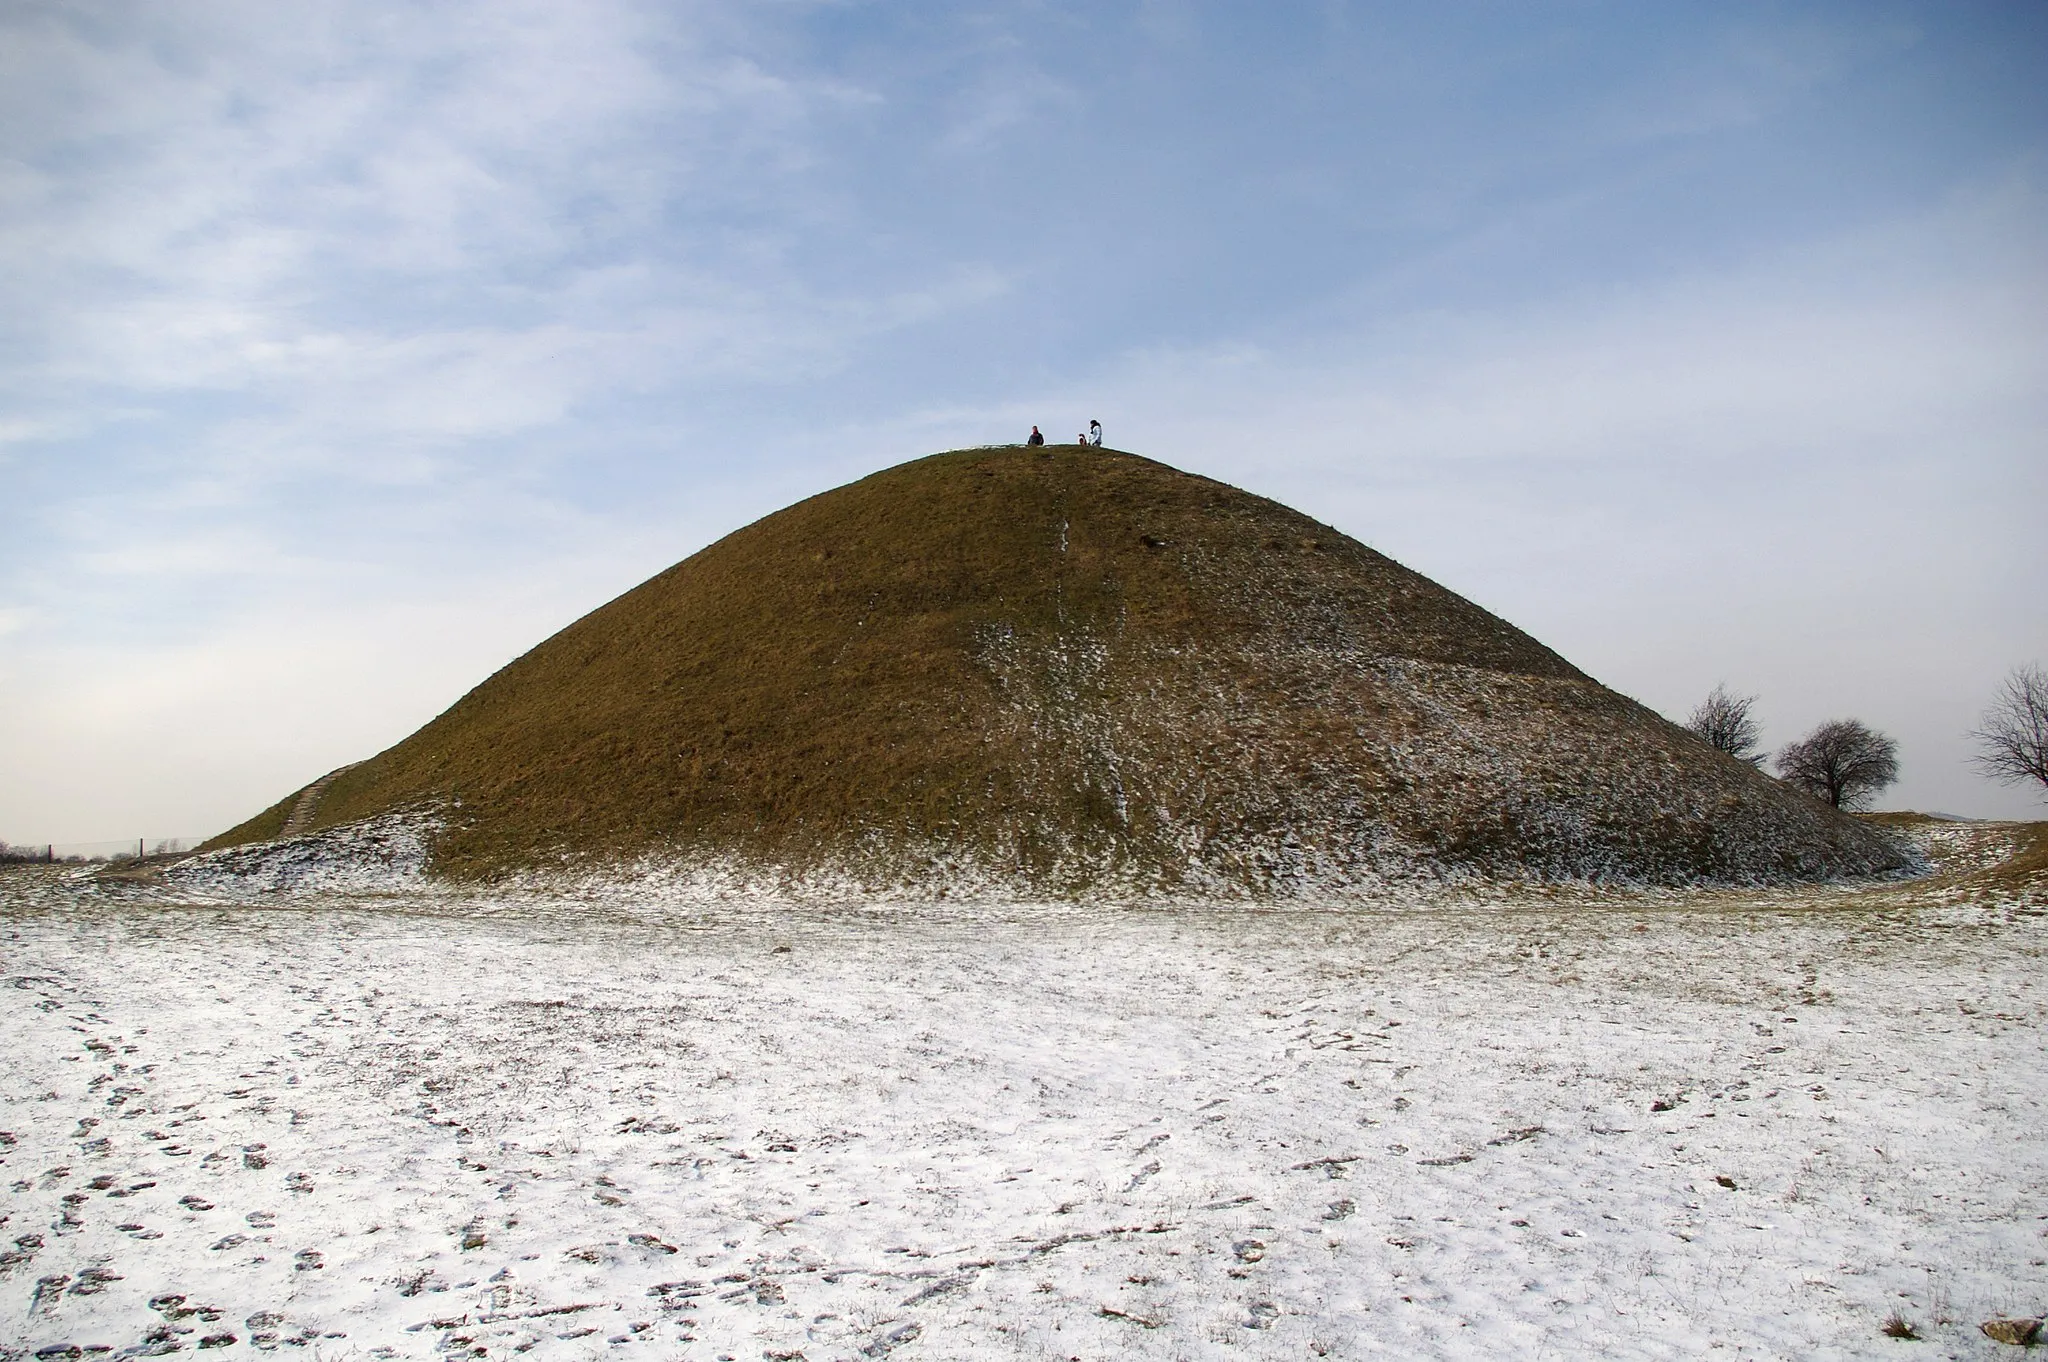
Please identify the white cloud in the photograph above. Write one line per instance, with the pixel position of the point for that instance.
(228, 204)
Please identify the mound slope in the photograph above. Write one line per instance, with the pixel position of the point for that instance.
(1053, 671)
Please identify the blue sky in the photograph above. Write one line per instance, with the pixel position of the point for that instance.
(348, 350)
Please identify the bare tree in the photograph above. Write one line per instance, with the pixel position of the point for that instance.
(2013, 743)
(1841, 762)
(1724, 723)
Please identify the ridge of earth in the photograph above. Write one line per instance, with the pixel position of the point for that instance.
(1063, 671)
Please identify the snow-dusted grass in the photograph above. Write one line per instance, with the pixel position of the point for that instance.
(1650, 1126)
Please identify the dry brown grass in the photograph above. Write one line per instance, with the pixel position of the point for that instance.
(1999, 859)
(1061, 664)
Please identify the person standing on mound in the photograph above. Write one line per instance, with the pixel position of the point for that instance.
(1036, 438)
(1095, 433)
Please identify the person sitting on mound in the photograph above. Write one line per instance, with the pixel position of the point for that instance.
(1036, 438)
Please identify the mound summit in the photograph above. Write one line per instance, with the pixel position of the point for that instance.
(1058, 671)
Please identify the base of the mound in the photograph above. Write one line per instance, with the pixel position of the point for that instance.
(393, 854)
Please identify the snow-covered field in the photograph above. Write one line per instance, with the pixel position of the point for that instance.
(1632, 1126)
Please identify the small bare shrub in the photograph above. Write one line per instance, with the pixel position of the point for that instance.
(1723, 722)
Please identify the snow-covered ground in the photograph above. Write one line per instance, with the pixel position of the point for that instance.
(1552, 1126)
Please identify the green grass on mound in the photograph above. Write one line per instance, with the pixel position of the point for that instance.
(1048, 659)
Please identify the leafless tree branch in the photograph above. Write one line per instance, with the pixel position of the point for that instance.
(2012, 745)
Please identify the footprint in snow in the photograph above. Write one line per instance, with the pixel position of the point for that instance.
(650, 1243)
(94, 1280)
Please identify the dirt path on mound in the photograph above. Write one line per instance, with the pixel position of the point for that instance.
(307, 806)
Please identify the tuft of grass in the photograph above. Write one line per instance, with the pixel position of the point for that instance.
(1896, 1325)
(1061, 664)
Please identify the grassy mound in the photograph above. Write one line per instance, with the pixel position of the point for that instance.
(1061, 669)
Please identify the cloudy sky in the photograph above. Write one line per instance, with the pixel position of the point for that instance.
(348, 350)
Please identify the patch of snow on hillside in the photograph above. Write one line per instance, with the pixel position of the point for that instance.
(376, 855)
